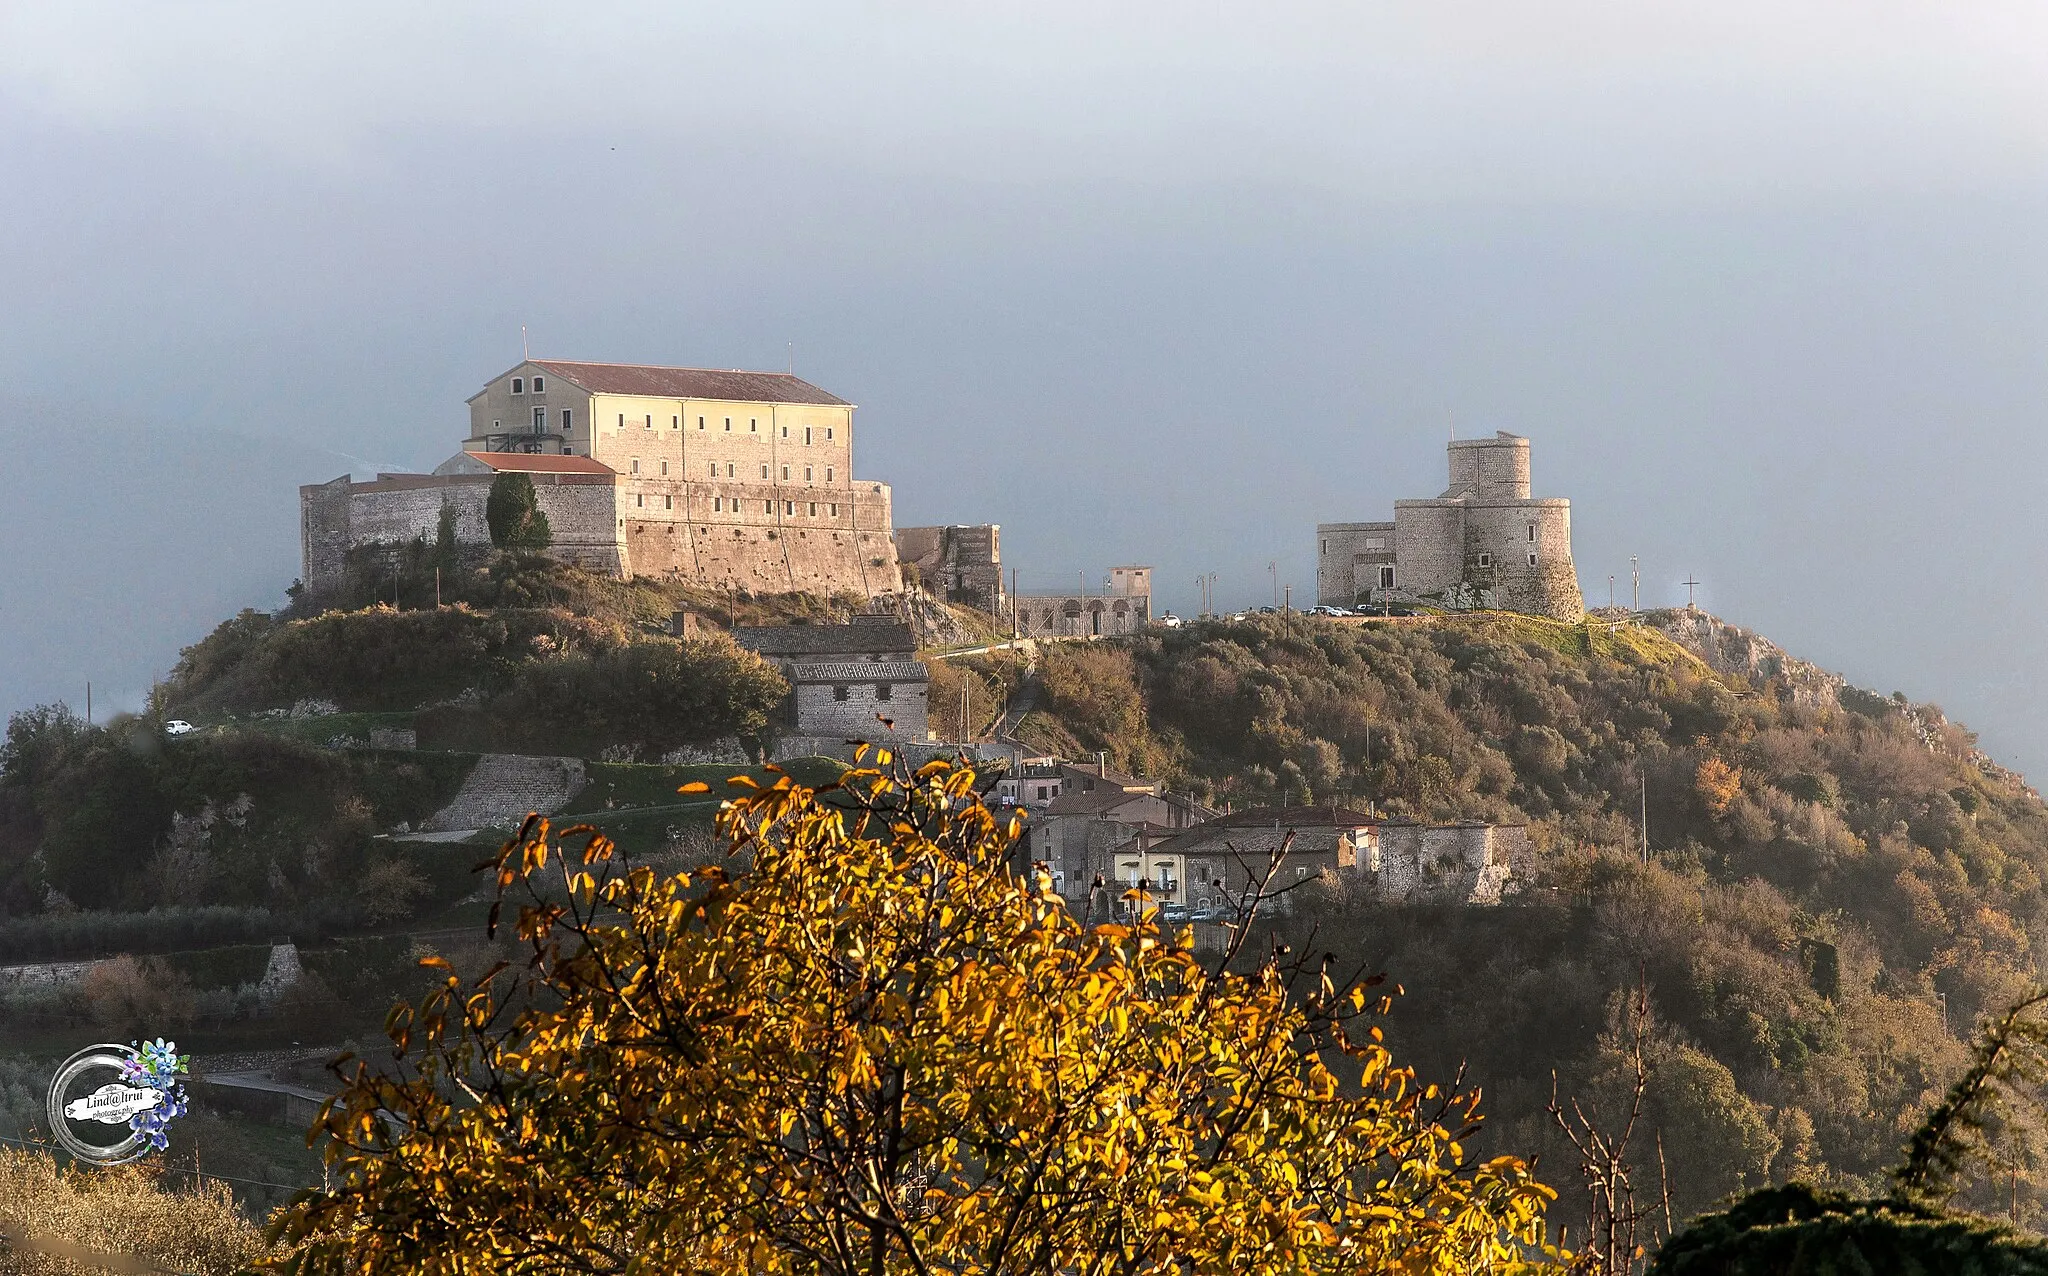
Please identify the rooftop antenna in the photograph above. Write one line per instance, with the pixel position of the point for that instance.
(1452, 418)
(792, 358)
(524, 353)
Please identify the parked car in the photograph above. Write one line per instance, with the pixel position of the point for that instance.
(1325, 609)
(178, 726)
(1171, 621)
(1212, 915)
(1175, 914)
(1268, 611)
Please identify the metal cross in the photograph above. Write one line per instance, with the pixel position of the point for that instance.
(1689, 583)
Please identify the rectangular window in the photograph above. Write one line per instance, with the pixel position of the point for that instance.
(785, 474)
(519, 385)
(753, 425)
(1326, 547)
(717, 504)
(566, 419)
(789, 508)
(764, 471)
(785, 431)
(538, 386)
(814, 509)
(622, 420)
(700, 422)
(636, 465)
(729, 470)
(883, 691)
(1486, 560)
(1532, 560)
(807, 473)
(807, 436)
(1532, 533)
(714, 469)
(668, 502)
(664, 469)
(767, 507)
(1386, 578)
(650, 421)
(540, 420)
(675, 423)
(835, 509)
(828, 434)
(839, 693)
(728, 425)
(828, 474)
(638, 500)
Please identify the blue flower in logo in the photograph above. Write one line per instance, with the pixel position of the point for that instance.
(158, 1065)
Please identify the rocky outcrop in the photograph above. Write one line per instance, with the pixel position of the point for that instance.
(1731, 649)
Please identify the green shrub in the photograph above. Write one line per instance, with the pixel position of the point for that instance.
(513, 512)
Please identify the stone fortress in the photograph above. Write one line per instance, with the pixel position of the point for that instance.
(964, 564)
(736, 480)
(1484, 543)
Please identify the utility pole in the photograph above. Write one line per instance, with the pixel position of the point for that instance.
(88, 703)
(1635, 576)
(1287, 607)
(1644, 781)
(1274, 568)
(437, 589)
(1610, 591)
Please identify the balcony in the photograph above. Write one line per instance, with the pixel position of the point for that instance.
(543, 442)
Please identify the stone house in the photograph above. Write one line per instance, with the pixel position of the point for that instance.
(738, 480)
(1094, 814)
(1485, 542)
(1217, 862)
(846, 679)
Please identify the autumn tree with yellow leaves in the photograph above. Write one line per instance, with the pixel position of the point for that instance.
(861, 1045)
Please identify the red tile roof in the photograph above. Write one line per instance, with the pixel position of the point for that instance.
(540, 463)
(690, 383)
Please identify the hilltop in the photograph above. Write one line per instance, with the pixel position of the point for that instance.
(1837, 884)
(1834, 884)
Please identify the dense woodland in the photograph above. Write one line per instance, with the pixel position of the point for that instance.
(1837, 887)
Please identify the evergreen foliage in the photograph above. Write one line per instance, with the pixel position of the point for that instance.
(513, 513)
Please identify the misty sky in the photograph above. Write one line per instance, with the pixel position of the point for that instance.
(1159, 283)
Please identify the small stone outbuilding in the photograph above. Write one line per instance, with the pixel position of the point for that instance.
(862, 680)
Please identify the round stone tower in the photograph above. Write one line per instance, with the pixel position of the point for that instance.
(1486, 539)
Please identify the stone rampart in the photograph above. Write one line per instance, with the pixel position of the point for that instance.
(759, 537)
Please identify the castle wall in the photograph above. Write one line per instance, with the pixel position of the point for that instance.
(1429, 545)
(1081, 615)
(765, 539)
(338, 516)
(960, 563)
(1348, 559)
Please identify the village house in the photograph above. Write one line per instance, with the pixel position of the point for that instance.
(856, 681)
